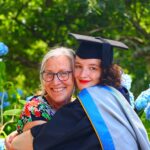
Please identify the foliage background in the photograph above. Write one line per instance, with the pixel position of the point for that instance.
(30, 27)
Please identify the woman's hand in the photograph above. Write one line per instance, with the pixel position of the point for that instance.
(23, 141)
(9, 140)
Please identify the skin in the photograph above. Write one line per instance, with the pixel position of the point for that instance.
(27, 142)
(87, 73)
(58, 92)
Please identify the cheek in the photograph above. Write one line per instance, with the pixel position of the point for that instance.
(75, 74)
(69, 82)
(97, 77)
(46, 86)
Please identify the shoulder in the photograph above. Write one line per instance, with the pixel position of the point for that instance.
(37, 106)
(36, 101)
(37, 98)
(33, 102)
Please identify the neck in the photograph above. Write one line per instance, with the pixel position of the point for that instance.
(55, 105)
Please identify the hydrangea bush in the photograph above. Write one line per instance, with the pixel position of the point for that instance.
(142, 105)
(10, 98)
(3, 94)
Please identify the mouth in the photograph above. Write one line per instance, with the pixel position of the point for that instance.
(84, 81)
(58, 90)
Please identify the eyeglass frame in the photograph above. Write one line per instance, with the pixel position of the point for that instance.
(57, 74)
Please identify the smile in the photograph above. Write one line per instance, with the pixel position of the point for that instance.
(58, 89)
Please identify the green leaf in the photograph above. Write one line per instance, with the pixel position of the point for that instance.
(12, 112)
(22, 102)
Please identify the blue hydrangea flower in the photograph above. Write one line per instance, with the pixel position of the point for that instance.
(126, 82)
(142, 100)
(4, 95)
(147, 111)
(29, 98)
(131, 98)
(3, 49)
(20, 92)
(5, 104)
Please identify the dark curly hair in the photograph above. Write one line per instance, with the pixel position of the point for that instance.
(111, 76)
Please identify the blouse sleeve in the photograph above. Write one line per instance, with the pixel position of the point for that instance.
(33, 110)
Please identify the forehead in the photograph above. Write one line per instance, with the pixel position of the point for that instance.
(92, 61)
(58, 63)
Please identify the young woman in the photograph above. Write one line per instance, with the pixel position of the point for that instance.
(100, 118)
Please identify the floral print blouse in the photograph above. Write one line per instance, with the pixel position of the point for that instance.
(35, 109)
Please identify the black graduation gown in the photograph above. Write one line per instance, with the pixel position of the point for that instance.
(125, 93)
(69, 129)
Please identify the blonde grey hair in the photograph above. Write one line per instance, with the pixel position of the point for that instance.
(60, 51)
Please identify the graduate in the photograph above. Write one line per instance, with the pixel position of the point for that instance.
(100, 118)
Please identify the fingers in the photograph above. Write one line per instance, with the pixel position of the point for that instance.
(23, 141)
(9, 140)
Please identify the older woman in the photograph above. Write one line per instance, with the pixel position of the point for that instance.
(57, 85)
(98, 119)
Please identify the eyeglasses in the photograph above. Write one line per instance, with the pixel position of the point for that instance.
(49, 76)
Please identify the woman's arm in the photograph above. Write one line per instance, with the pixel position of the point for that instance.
(29, 125)
(11, 136)
(34, 110)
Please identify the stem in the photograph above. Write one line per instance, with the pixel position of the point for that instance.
(2, 132)
(3, 126)
(2, 102)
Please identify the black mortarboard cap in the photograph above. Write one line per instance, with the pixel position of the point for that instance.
(97, 47)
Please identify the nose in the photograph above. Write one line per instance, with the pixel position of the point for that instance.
(56, 80)
(84, 73)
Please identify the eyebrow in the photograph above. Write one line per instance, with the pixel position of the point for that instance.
(88, 64)
(61, 70)
(94, 65)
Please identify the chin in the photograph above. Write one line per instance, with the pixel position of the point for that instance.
(83, 88)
